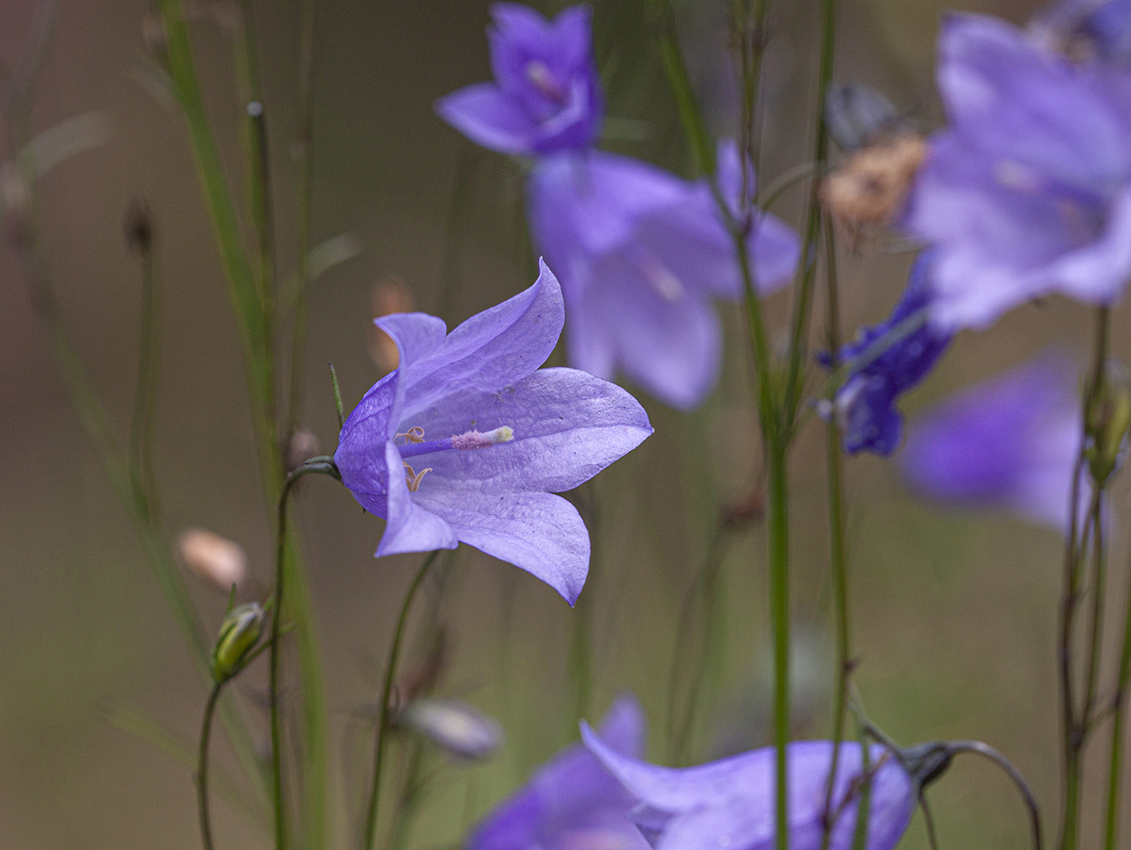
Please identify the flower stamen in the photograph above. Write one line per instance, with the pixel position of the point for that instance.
(413, 478)
(415, 434)
(542, 78)
(470, 440)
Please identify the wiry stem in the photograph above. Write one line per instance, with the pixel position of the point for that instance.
(202, 767)
(384, 711)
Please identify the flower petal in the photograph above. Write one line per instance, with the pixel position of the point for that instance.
(484, 114)
(410, 527)
(538, 532)
(490, 351)
(568, 425)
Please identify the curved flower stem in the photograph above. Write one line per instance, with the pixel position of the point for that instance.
(323, 466)
(837, 550)
(202, 767)
(996, 756)
(1095, 647)
(384, 712)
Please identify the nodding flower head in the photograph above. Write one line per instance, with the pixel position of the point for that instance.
(546, 95)
(468, 440)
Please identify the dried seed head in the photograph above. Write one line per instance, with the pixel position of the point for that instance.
(869, 188)
(217, 560)
(390, 295)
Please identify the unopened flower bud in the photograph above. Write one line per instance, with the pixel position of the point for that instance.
(390, 295)
(1108, 421)
(458, 728)
(217, 560)
(239, 633)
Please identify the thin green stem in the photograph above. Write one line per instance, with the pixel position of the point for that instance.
(304, 146)
(246, 300)
(323, 466)
(202, 767)
(384, 711)
(145, 394)
(837, 550)
(778, 528)
(1095, 642)
(681, 722)
(1115, 766)
(1075, 727)
(807, 266)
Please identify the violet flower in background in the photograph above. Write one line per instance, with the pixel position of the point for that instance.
(546, 95)
(572, 802)
(865, 404)
(1028, 191)
(730, 803)
(640, 253)
(1087, 29)
(1011, 443)
(467, 439)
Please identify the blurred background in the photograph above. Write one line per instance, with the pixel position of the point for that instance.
(954, 613)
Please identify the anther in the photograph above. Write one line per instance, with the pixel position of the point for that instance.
(415, 434)
(413, 478)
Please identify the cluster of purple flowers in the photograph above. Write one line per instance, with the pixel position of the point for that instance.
(639, 251)
(1026, 193)
(601, 795)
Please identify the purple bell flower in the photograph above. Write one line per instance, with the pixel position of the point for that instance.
(1028, 191)
(865, 404)
(468, 439)
(546, 95)
(729, 804)
(1011, 442)
(641, 253)
(572, 802)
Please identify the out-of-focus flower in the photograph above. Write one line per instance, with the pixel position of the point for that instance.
(1028, 192)
(453, 725)
(1011, 442)
(390, 295)
(546, 95)
(865, 403)
(572, 802)
(858, 115)
(640, 253)
(730, 803)
(1087, 30)
(467, 440)
(868, 189)
(217, 560)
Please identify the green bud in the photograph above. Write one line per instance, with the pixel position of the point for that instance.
(1107, 423)
(239, 633)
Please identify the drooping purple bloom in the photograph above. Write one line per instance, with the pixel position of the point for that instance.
(572, 802)
(729, 804)
(1011, 442)
(865, 403)
(546, 95)
(1028, 191)
(641, 253)
(468, 439)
